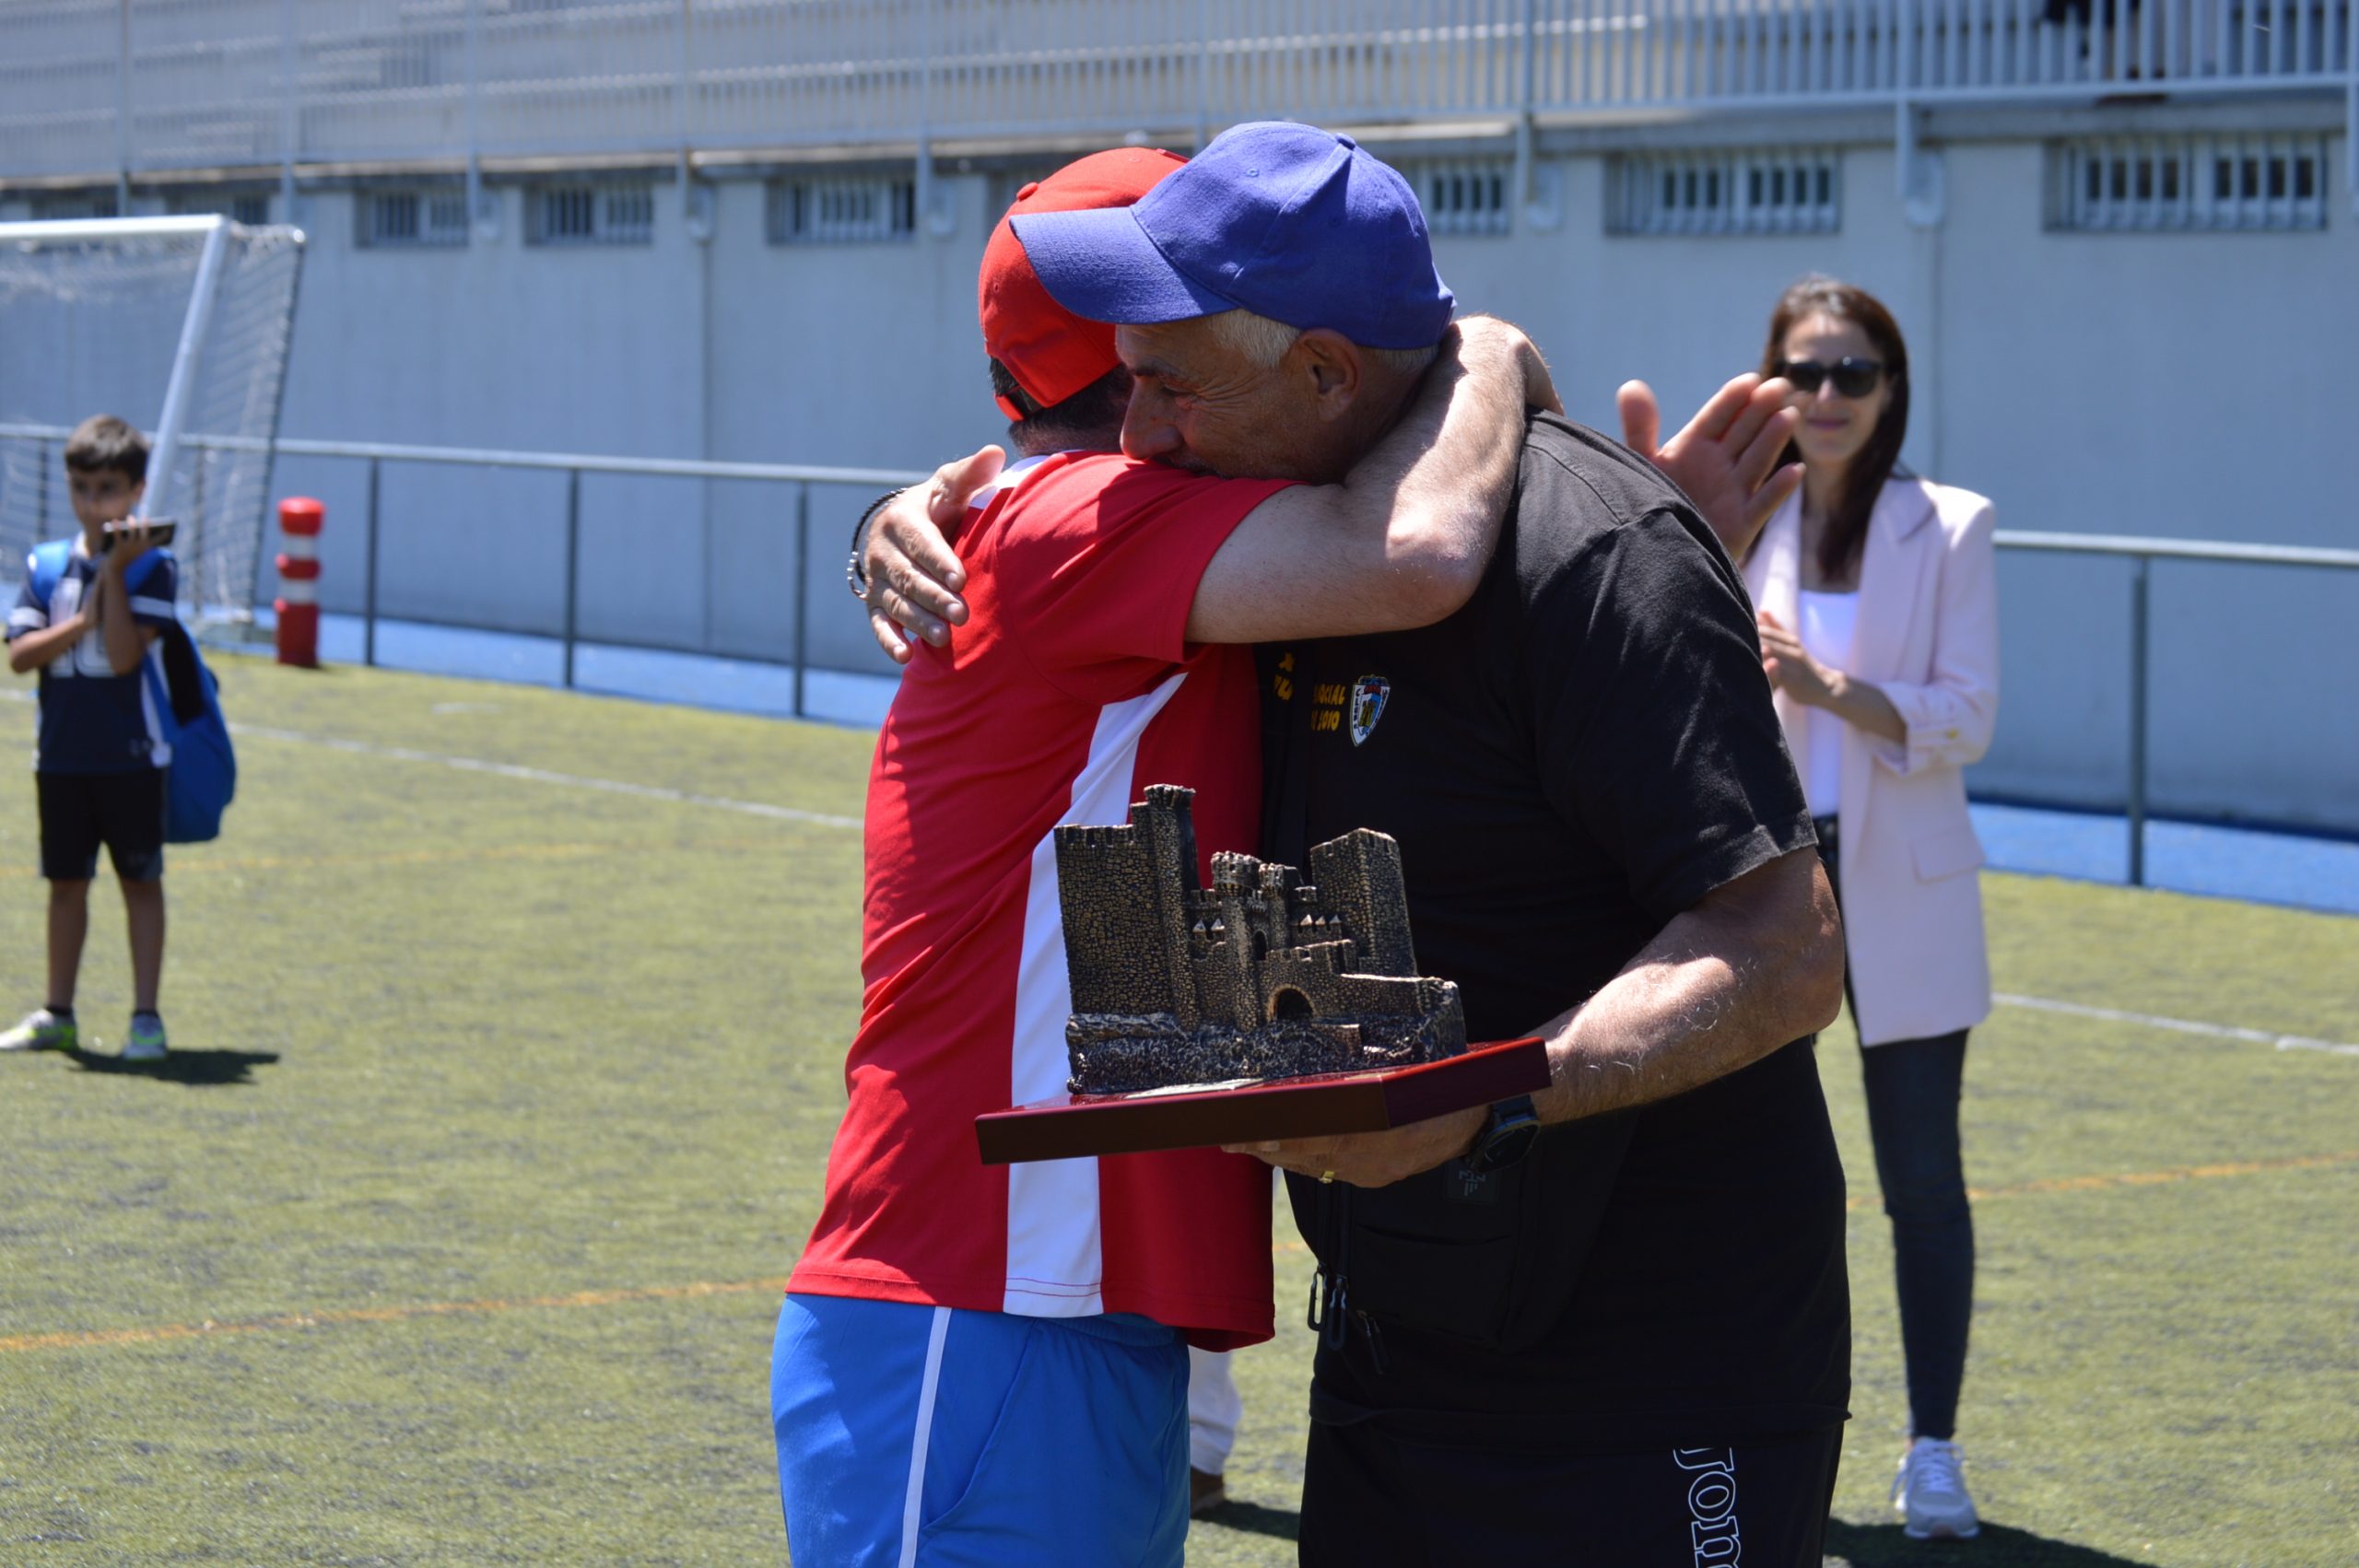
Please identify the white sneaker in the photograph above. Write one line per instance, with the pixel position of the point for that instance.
(146, 1042)
(41, 1031)
(1929, 1493)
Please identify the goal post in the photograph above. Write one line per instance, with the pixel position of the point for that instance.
(182, 325)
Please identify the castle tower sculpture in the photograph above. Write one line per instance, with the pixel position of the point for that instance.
(1261, 975)
(1127, 895)
(1359, 880)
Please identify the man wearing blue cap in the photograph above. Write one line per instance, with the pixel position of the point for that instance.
(1611, 1320)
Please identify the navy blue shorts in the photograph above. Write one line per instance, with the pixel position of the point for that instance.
(81, 811)
(915, 1436)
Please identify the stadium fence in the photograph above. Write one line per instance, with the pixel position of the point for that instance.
(99, 92)
(2140, 553)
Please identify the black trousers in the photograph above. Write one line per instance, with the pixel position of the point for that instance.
(1913, 1088)
(1373, 1498)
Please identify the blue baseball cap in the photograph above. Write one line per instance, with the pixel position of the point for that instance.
(1288, 221)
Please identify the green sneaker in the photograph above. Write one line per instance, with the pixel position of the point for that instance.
(146, 1039)
(41, 1031)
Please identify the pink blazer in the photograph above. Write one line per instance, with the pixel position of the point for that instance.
(1928, 636)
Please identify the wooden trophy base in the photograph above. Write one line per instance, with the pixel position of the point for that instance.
(1200, 1115)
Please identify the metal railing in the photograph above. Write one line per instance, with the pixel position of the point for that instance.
(115, 91)
(2140, 551)
(573, 465)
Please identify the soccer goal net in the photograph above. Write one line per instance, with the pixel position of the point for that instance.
(179, 325)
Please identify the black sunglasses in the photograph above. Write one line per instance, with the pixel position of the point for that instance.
(1852, 377)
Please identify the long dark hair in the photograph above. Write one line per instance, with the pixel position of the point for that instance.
(1847, 531)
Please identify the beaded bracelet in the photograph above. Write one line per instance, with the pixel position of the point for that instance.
(854, 573)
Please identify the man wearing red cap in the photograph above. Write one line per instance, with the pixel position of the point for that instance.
(952, 1331)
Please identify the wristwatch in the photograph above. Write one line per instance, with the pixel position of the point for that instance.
(1506, 1137)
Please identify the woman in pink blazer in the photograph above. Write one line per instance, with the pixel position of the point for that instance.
(1879, 631)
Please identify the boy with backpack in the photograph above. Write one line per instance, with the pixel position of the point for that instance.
(90, 623)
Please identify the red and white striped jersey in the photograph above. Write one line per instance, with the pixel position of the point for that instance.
(1069, 691)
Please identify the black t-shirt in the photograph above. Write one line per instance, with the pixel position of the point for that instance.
(1584, 751)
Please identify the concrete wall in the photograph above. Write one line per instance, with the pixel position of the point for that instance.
(854, 355)
(2183, 385)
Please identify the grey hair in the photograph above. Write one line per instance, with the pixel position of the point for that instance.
(1262, 343)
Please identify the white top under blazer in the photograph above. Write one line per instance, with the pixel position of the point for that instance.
(1829, 621)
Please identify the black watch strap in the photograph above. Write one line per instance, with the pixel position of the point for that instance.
(1507, 1134)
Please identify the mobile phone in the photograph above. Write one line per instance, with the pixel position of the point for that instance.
(160, 529)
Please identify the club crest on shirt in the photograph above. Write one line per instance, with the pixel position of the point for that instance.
(1368, 705)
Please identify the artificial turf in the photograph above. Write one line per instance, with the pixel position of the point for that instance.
(499, 1099)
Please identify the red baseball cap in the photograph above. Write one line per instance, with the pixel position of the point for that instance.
(1052, 352)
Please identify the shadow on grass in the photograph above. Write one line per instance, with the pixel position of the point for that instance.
(200, 1070)
(1253, 1519)
(1862, 1546)
(1887, 1546)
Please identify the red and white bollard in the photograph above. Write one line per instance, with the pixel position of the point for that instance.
(298, 604)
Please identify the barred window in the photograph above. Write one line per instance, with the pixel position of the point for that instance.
(410, 218)
(1464, 196)
(589, 215)
(1006, 183)
(2191, 183)
(1763, 190)
(79, 205)
(251, 208)
(837, 209)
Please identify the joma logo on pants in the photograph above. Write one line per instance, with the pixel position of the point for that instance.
(1711, 1505)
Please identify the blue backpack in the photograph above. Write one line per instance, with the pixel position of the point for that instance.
(203, 779)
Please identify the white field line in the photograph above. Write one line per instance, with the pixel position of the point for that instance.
(2176, 1025)
(529, 775)
(789, 814)
(544, 775)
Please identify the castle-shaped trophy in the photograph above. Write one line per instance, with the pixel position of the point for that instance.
(1264, 1007)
